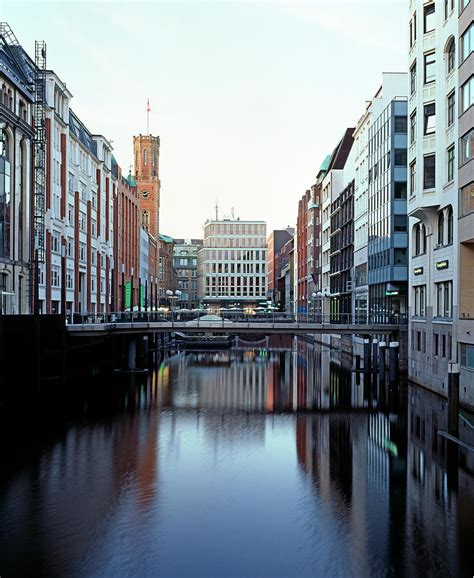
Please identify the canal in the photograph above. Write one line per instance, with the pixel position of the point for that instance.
(241, 463)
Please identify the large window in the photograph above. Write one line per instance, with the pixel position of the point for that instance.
(413, 128)
(430, 67)
(467, 147)
(413, 78)
(467, 199)
(467, 356)
(444, 299)
(440, 228)
(467, 42)
(401, 124)
(467, 94)
(451, 102)
(429, 21)
(412, 178)
(450, 223)
(429, 172)
(429, 126)
(400, 157)
(450, 163)
(451, 56)
(419, 295)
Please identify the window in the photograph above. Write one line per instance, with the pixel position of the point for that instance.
(451, 163)
(411, 33)
(56, 242)
(450, 219)
(467, 94)
(401, 124)
(444, 299)
(451, 107)
(467, 356)
(145, 157)
(467, 147)
(467, 42)
(55, 276)
(413, 78)
(446, 9)
(419, 300)
(429, 67)
(420, 239)
(400, 158)
(400, 190)
(441, 228)
(467, 199)
(146, 219)
(412, 178)
(413, 128)
(451, 55)
(429, 126)
(429, 18)
(429, 172)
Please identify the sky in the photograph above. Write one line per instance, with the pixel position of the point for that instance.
(247, 98)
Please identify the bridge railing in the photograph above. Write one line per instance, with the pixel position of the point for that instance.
(228, 317)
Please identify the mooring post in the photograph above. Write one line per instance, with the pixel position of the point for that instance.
(375, 353)
(393, 361)
(367, 364)
(382, 363)
(132, 353)
(453, 398)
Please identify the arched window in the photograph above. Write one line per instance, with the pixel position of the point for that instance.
(423, 238)
(441, 228)
(451, 54)
(417, 239)
(146, 219)
(144, 156)
(449, 216)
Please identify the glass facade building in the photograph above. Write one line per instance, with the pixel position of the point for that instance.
(388, 222)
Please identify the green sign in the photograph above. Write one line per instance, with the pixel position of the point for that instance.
(391, 293)
(128, 295)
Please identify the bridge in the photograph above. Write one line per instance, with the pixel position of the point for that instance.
(268, 324)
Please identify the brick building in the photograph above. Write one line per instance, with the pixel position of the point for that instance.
(127, 230)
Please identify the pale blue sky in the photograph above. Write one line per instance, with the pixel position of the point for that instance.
(247, 98)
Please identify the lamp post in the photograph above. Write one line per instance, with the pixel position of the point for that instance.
(131, 291)
(151, 292)
(156, 294)
(123, 287)
(314, 295)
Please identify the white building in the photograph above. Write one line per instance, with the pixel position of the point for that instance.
(80, 191)
(433, 191)
(232, 263)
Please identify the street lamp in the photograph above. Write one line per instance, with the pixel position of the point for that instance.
(314, 295)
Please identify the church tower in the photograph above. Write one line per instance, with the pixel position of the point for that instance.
(146, 150)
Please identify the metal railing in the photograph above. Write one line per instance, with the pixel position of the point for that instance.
(227, 318)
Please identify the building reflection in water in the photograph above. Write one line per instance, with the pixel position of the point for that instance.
(376, 468)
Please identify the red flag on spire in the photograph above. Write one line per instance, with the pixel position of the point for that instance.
(148, 105)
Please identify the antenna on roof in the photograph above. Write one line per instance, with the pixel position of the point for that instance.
(217, 210)
(232, 212)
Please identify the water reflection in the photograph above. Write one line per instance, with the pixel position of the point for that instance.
(248, 462)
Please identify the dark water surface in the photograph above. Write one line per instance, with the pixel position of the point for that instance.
(243, 464)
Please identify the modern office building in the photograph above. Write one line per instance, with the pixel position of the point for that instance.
(17, 93)
(185, 253)
(387, 204)
(232, 263)
(433, 192)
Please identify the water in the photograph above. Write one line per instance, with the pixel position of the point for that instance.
(242, 464)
